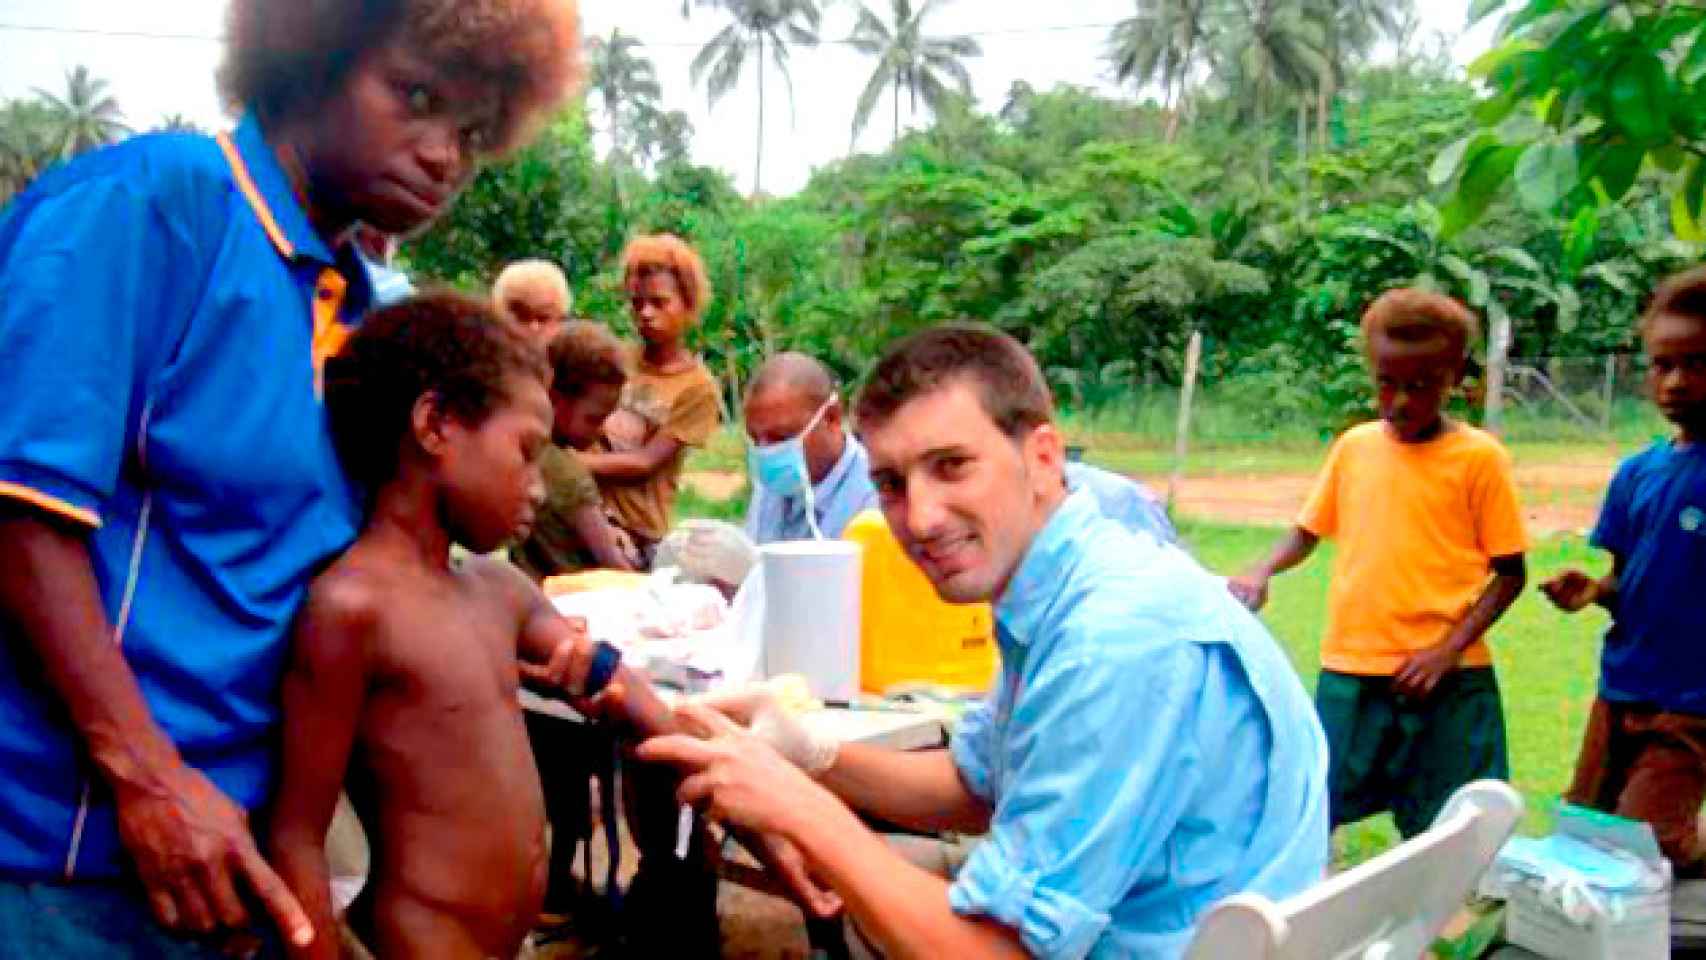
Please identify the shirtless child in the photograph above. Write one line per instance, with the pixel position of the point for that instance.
(404, 667)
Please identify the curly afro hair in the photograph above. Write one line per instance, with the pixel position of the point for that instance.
(284, 57)
(1414, 315)
(668, 253)
(586, 354)
(443, 343)
(1683, 295)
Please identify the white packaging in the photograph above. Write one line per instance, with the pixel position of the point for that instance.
(1557, 911)
(811, 614)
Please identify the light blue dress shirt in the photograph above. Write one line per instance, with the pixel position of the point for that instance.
(842, 495)
(1148, 750)
(1123, 500)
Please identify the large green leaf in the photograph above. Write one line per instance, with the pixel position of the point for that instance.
(1545, 173)
(1484, 172)
(1450, 160)
(1639, 98)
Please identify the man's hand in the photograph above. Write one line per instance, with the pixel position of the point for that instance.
(191, 845)
(789, 864)
(1251, 589)
(733, 776)
(1420, 674)
(757, 708)
(1571, 591)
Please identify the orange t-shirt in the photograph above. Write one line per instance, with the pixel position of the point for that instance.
(1417, 526)
(680, 404)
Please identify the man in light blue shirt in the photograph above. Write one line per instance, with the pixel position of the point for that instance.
(809, 476)
(1148, 749)
(793, 417)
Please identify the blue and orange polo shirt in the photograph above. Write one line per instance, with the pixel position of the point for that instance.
(165, 308)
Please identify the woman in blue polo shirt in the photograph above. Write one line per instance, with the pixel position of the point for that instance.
(167, 483)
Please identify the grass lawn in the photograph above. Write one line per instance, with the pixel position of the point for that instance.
(1548, 664)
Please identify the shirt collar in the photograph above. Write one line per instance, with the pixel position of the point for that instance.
(851, 453)
(1030, 594)
(274, 202)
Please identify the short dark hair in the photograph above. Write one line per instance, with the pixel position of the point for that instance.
(440, 342)
(1009, 384)
(285, 57)
(1682, 295)
(586, 354)
(1411, 315)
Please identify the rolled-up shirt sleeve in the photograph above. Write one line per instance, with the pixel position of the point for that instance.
(1096, 776)
(88, 275)
(971, 745)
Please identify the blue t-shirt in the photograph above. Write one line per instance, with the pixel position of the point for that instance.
(1655, 520)
(1148, 750)
(163, 307)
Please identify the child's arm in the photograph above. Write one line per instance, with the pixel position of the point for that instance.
(323, 691)
(1573, 590)
(595, 531)
(637, 464)
(1251, 587)
(1423, 671)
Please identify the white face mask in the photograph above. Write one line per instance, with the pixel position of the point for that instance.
(780, 468)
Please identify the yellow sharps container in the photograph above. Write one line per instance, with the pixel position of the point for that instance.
(907, 633)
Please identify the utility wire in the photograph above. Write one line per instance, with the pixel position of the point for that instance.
(661, 44)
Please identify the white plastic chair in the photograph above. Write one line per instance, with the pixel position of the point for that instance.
(1389, 908)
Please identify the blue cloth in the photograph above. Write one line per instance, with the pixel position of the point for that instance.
(162, 392)
(53, 921)
(845, 491)
(1123, 500)
(1148, 750)
(1655, 520)
(389, 284)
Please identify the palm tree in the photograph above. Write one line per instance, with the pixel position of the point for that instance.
(178, 123)
(754, 25)
(26, 144)
(626, 83)
(1350, 29)
(86, 117)
(1266, 47)
(908, 60)
(1159, 43)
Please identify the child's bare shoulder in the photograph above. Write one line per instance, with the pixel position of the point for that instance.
(502, 582)
(345, 607)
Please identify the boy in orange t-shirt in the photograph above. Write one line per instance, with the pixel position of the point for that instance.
(1430, 553)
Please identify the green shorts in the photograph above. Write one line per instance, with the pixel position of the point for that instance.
(1392, 753)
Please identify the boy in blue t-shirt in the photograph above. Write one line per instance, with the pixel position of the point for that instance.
(1644, 752)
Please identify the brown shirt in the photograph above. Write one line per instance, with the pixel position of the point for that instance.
(682, 405)
(554, 547)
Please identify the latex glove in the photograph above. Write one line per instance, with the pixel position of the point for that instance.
(717, 551)
(757, 708)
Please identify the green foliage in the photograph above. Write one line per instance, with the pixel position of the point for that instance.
(1586, 98)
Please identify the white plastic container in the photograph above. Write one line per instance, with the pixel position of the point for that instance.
(811, 614)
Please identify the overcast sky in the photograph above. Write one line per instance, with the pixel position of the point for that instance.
(159, 57)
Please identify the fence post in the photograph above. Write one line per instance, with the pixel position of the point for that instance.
(1182, 433)
(1498, 345)
(1610, 388)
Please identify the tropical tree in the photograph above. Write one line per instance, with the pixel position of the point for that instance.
(1582, 98)
(1350, 29)
(627, 85)
(663, 137)
(26, 144)
(178, 123)
(754, 25)
(908, 60)
(1265, 48)
(86, 116)
(1159, 43)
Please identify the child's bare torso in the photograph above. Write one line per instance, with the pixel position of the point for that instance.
(442, 773)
